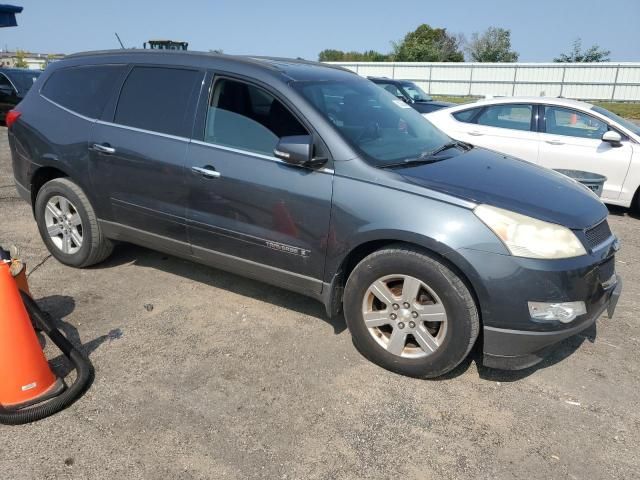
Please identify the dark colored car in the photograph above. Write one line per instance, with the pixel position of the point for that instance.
(410, 93)
(311, 178)
(14, 85)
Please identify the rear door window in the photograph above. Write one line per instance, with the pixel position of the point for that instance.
(159, 99)
(247, 117)
(84, 90)
(513, 117)
(572, 123)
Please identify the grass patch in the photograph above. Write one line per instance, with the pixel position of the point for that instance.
(445, 98)
(626, 110)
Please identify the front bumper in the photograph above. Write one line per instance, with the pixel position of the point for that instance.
(511, 338)
(23, 191)
(517, 349)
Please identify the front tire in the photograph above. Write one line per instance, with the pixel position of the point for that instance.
(410, 313)
(68, 224)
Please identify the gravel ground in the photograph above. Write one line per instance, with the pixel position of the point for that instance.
(229, 378)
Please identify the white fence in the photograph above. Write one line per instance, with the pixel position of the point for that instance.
(588, 81)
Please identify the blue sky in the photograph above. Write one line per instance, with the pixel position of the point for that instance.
(541, 29)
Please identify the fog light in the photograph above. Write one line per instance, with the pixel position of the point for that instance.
(563, 312)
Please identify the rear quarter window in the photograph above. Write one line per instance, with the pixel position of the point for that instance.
(466, 115)
(84, 90)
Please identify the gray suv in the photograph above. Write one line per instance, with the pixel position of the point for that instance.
(311, 178)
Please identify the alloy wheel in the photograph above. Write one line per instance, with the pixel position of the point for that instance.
(405, 316)
(63, 224)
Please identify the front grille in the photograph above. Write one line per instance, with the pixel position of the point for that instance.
(606, 270)
(598, 234)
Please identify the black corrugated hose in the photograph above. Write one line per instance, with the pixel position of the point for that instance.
(84, 372)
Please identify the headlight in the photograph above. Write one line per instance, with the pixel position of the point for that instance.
(530, 238)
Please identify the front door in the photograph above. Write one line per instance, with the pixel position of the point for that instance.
(137, 157)
(572, 140)
(263, 217)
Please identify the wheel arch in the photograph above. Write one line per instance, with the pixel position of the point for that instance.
(41, 176)
(449, 257)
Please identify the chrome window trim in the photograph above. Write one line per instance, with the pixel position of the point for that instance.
(182, 139)
(67, 109)
(252, 154)
(142, 130)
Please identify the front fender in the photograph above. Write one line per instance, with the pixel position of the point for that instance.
(365, 212)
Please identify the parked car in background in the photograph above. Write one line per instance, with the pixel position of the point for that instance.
(555, 133)
(14, 85)
(411, 94)
(312, 178)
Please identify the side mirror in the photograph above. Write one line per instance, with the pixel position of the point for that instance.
(297, 150)
(6, 90)
(612, 137)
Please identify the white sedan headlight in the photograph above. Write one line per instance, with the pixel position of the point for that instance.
(528, 237)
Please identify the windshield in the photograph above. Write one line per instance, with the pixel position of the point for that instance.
(622, 121)
(24, 80)
(380, 126)
(415, 92)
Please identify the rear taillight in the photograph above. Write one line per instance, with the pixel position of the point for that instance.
(11, 117)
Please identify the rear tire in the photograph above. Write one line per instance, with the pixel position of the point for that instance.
(68, 224)
(410, 313)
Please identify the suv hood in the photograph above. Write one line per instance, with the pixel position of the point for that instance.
(484, 176)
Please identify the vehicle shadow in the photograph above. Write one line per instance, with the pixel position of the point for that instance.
(622, 212)
(125, 253)
(58, 307)
(556, 354)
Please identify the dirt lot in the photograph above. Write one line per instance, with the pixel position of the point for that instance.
(229, 378)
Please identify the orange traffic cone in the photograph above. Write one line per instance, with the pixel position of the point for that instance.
(25, 376)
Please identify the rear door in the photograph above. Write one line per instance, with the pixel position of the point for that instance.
(507, 128)
(138, 153)
(247, 208)
(572, 140)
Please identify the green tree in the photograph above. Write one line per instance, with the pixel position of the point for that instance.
(20, 59)
(577, 54)
(331, 55)
(493, 45)
(427, 44)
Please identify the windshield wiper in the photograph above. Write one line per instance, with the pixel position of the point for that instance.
(430, 155)
(442, 148)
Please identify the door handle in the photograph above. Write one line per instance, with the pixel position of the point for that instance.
(207, 171)
(554, 142)
(475, 133)
(104, 148)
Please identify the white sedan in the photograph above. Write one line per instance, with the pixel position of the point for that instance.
(555, 133)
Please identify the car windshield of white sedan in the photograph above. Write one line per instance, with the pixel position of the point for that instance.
(622, 121)
(415, 92)
(380, 126)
